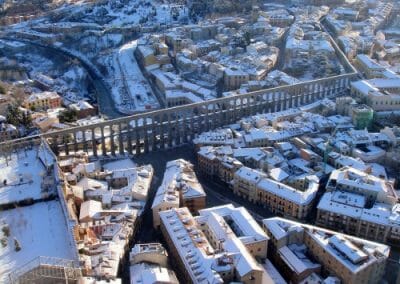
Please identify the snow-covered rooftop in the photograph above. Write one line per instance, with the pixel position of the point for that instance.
(146, 273)
(352, 252)
(247, 229)
(40, 229)
(179, 180)
(22, 175)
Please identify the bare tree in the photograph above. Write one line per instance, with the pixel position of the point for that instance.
(6, 151)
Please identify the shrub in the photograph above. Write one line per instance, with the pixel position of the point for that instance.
(2, 89)
(6, 231)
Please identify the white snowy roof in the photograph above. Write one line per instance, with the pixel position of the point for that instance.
(289, 193)
(250, 231)
(327, 204)
(348, 249)
(42, 96)
(294, 256)
(354, 253)
(364, 87)
(193, 248)
(364, 182)
(350, 199)
(92, 184)
(251, 175)
(253, 153)
(379, 213)
(81, 105)
(179, 177)
(146, 273)
(278, 174)
(215, 137)
(41, 230)
(89, 209)
(24, 174)
(370, 63)
(138, 178)
(277, 229)
(382, 83)
(179, 94)
(344, 160)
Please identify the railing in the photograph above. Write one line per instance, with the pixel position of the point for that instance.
(73, 268)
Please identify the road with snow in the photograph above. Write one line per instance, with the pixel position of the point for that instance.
(139, 96)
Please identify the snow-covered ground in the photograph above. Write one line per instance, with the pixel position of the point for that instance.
(40, 230)
(115, 13)
(139, 11)
(120, 164)
(139, 96)
(66, 78)
(23, 176)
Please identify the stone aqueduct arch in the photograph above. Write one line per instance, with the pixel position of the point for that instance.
(166, 128)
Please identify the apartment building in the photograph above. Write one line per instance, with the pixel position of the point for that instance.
(301, 250)
(347, 212)
(179, 188)
(218, 137)
(215, 162)
(83, 109)
(149, 264)
(218, 246)
(352, 180)
(360, 204)
(369, 67)
(381, 94)
(242, 225)
(279, 198)
(42, 101)
(108, 201)
(234, 78)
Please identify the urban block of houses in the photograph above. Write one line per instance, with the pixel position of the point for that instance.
(179, 188)
(149, 264)
(42, 101)
(303, 253)
(107, 203)
(218, 246)
(360, 204)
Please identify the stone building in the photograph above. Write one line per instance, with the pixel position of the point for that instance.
(180, 188)
(301, 250)
(218, 246)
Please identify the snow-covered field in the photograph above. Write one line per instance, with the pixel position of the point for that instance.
(23, 176)
(40, 230)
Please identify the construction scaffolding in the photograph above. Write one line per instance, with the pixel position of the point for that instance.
(47, 270)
